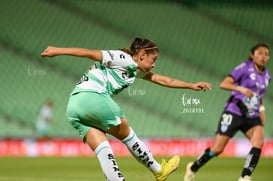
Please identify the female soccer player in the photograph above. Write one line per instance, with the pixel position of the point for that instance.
(244, 111)
(93, 113)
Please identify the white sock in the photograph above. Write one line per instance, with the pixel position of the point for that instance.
(108, 163)
(141, 152)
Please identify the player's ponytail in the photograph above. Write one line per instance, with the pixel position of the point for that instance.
(141, 44)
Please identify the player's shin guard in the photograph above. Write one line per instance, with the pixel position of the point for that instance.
(251, 161)
(202, 159)
(141, 152)
(108, 163)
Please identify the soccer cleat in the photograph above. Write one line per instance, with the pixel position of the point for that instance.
(245, 178)
(167, 167)
(189, 175)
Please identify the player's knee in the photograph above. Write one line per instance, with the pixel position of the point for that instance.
(257, 143)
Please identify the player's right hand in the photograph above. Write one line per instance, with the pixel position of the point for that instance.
(49, 52)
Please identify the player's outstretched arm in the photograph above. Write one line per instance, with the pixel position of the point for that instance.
(175, 83)
(51, 51)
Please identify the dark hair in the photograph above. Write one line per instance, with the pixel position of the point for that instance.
(255, 47)
(141, 44)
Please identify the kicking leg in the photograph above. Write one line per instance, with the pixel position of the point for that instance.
(142, 153)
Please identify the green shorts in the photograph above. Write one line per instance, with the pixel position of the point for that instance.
(87, 110)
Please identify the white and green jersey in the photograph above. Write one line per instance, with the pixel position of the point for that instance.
(116, 72)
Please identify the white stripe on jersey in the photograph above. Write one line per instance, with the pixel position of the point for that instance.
(92, 85)
(113, 81)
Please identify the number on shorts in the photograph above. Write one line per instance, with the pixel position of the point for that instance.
(226, 119)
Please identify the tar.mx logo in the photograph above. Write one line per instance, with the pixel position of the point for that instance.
(136, 92)
(191, 105)
(31, 72)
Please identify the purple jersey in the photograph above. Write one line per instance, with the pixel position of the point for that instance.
(247, 76)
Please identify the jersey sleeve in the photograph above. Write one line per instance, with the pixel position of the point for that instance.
(116, 58)
(108, 57)
(238, 72)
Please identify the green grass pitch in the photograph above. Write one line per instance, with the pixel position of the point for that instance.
(87, 169)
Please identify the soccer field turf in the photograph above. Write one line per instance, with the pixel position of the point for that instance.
(87, 169)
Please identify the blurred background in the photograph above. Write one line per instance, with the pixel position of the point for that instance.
(199, 40)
